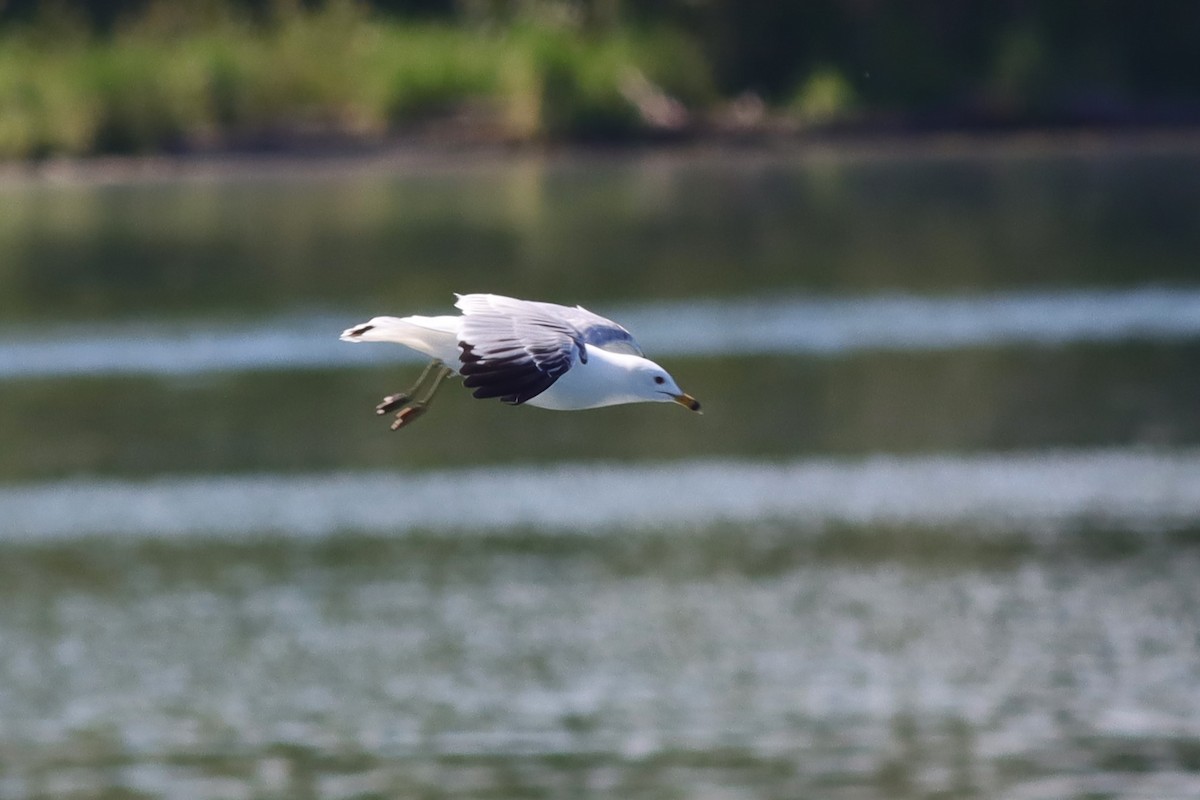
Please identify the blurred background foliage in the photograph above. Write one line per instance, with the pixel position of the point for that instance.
(115, 76)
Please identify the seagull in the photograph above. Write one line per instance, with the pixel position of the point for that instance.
(521, 351)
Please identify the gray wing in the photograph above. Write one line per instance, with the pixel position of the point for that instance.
(599, 331)
(514, 349)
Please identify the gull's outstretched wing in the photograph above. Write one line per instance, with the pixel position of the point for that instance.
(515, 349)
(598, 331)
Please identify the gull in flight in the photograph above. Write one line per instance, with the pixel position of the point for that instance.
(520, 351)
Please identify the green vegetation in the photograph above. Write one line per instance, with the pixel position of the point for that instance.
(174, 80)
(103, 76)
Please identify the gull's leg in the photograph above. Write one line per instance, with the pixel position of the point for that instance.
(419, 406)
(394, 401)
(442, 373)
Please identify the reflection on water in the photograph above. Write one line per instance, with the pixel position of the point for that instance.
(935, 535)
(1048, 491)
(600, 229)
(774, 327)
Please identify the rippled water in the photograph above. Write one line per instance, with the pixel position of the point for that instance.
(935, 535)
(1051, 491)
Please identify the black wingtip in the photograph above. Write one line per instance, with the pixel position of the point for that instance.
(502, 378)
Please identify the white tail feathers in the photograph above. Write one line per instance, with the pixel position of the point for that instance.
(436, 337)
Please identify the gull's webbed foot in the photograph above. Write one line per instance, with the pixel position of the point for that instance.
(392, 402)
(407, 414)
(413, 403)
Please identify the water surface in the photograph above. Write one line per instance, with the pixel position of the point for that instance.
(935, 535)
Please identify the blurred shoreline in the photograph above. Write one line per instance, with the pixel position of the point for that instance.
(435, 151)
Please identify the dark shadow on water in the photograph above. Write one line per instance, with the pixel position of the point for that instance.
(295, 421)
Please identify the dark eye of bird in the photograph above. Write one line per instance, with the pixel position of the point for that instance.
(659, 379)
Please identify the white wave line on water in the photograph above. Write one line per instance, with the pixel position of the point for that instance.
(1049, 491)
(795, 325)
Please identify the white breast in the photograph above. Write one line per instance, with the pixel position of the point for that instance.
(606, 379)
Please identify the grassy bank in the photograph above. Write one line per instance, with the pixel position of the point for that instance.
(178, 80)
(142, 76)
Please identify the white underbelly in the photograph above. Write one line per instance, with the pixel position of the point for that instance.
(584, 385)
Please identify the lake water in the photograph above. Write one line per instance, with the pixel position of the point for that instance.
(936, 535)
